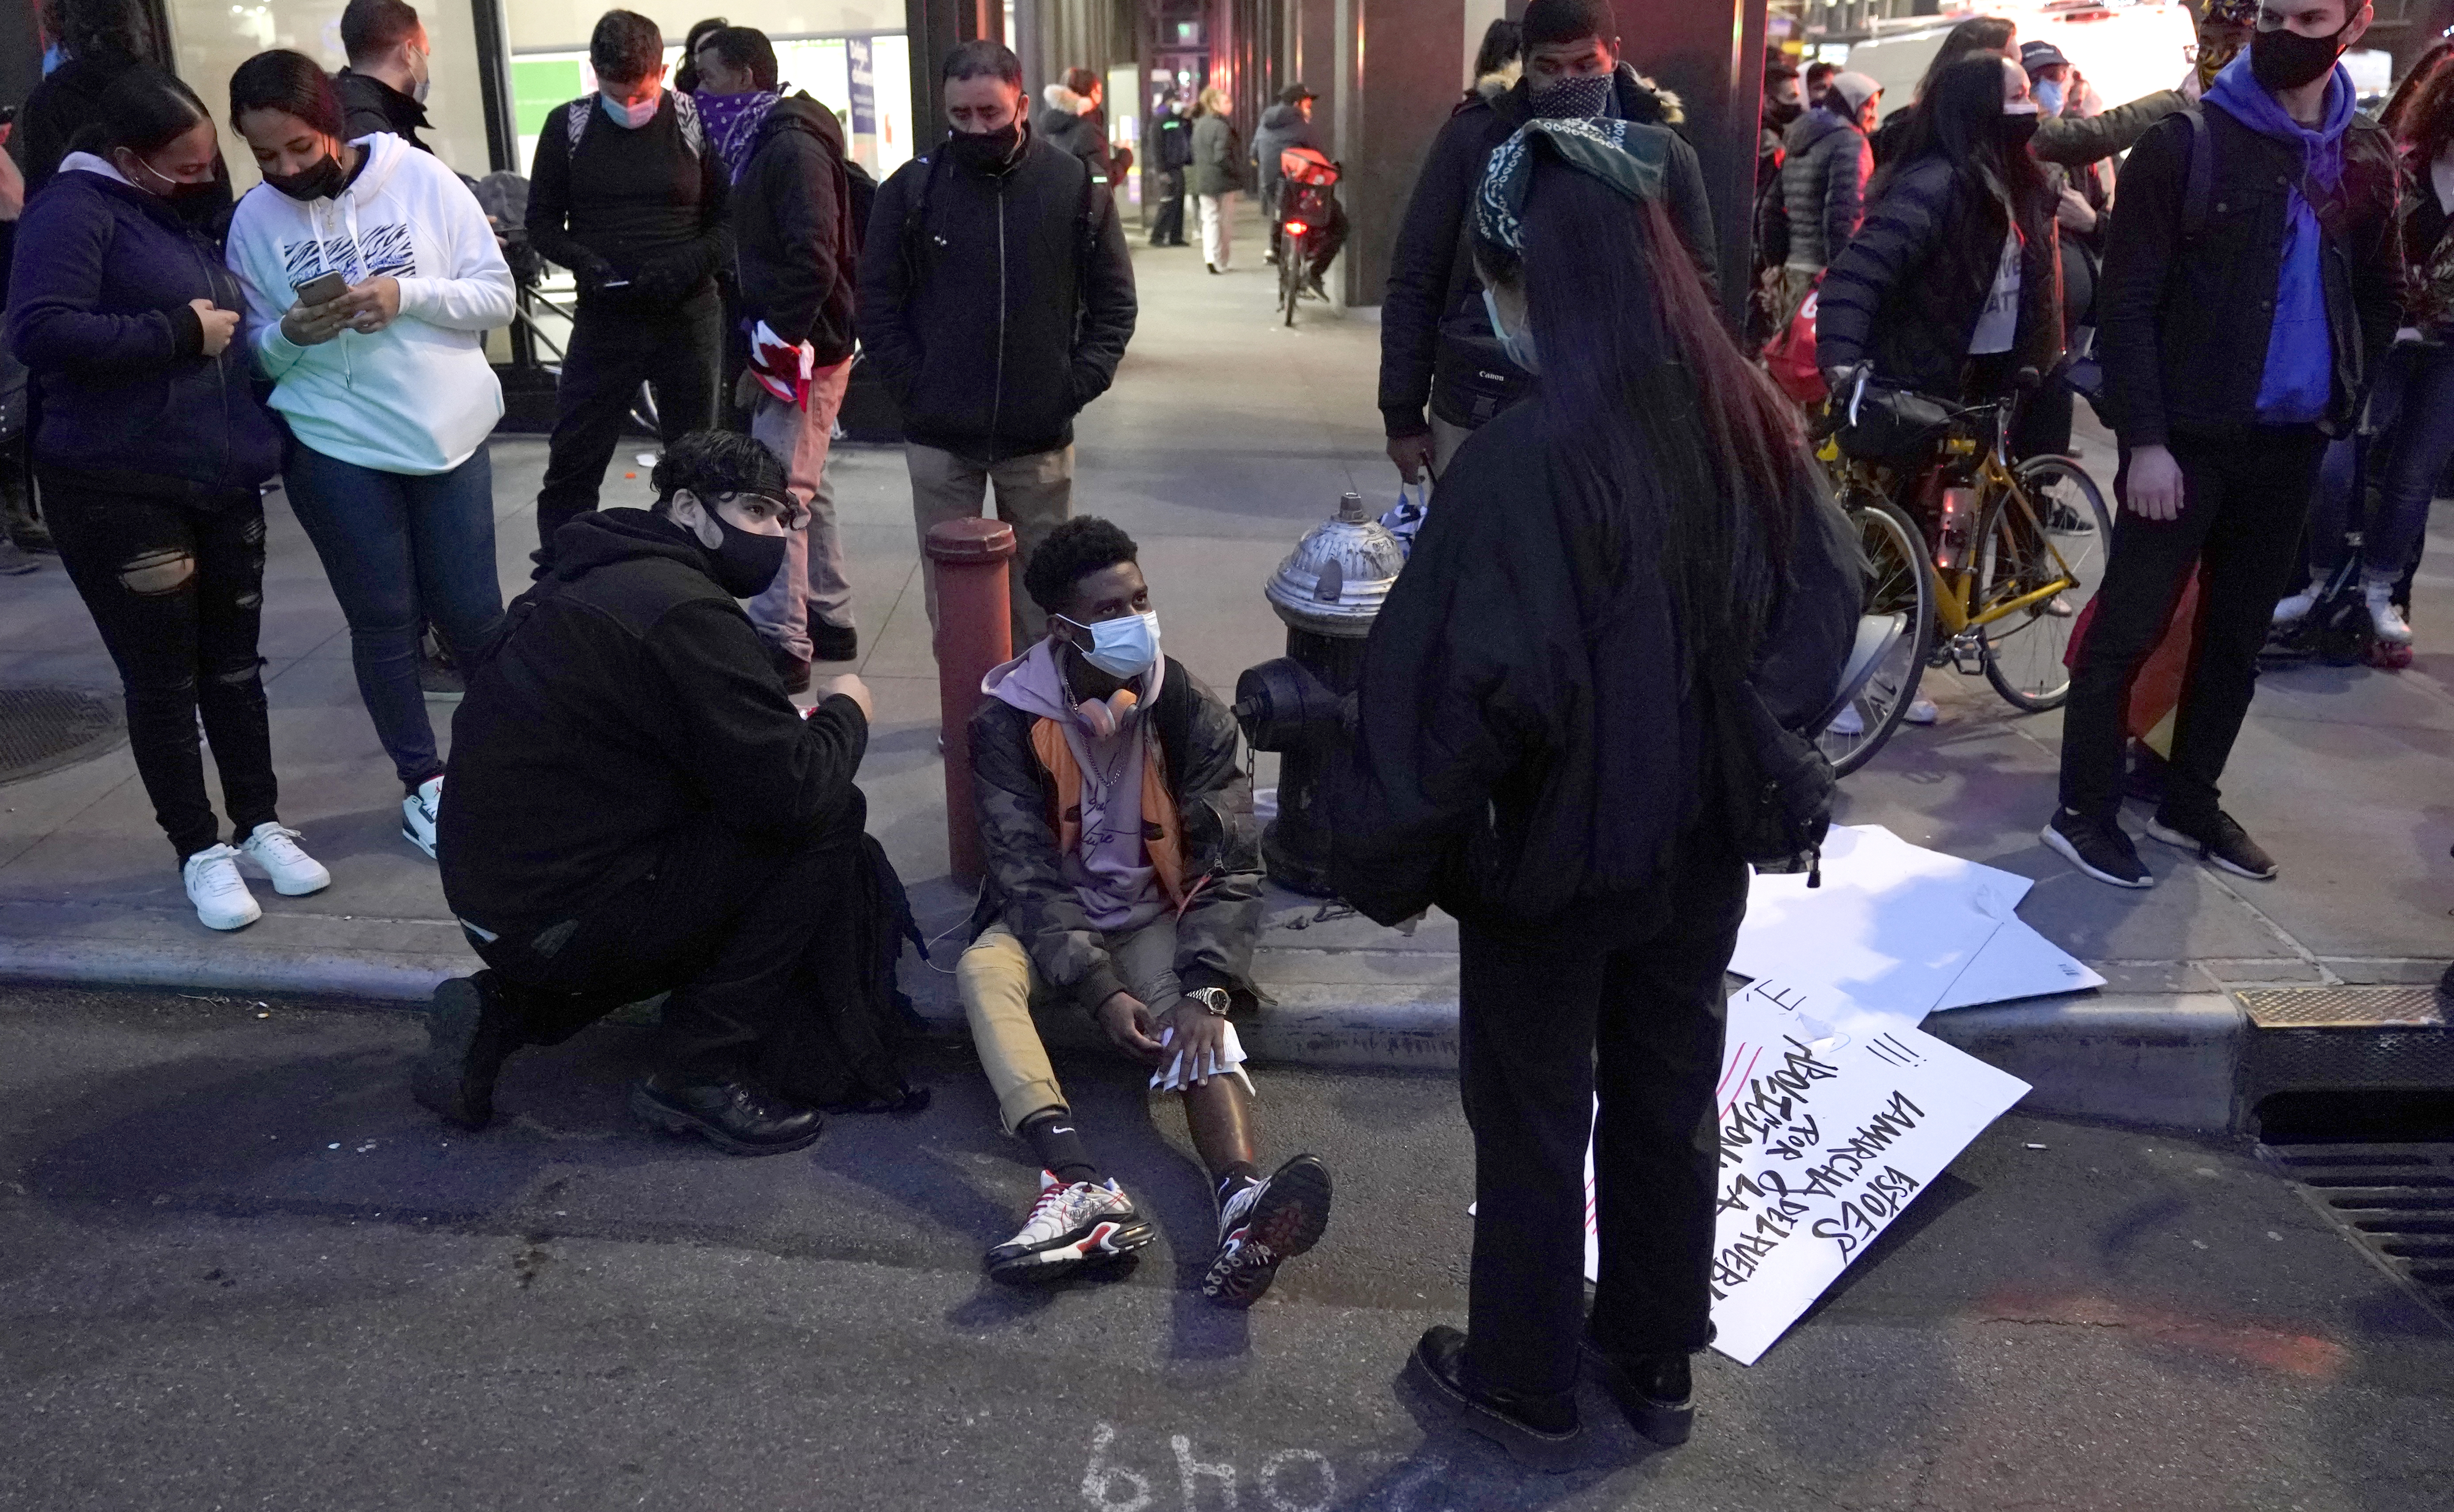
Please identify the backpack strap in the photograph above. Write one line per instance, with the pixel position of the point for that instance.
(2198, 184)
(685, 116)
(575, 117)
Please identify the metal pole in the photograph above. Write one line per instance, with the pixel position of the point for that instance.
(974, 633)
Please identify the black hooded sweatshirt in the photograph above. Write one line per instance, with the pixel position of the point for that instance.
(625, 700)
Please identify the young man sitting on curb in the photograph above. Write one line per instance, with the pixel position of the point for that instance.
(1124, 875)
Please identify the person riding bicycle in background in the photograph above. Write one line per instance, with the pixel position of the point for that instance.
(1953, 285)
(2412, 407)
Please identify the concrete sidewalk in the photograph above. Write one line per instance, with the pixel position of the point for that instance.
(1226, 436)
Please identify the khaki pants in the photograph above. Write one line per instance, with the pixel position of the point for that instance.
(1035, 493)
(997, 984)
(812, 584)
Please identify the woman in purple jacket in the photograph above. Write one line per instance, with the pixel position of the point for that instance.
(151, 446)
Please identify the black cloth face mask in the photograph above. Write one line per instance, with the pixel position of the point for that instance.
(2286, 60)
(987, 151)
(322, 179)
(2016, 132)
(744, 563)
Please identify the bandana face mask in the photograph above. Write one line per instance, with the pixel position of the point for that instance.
(1581, 98)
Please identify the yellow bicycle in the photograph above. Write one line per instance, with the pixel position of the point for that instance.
(2015, 552)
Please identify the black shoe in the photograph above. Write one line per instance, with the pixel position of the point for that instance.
(13, 560)
(733, 1116)
(2097, 847)
(794, 672)
(29, 532)
(2064, 519)
(1542, 1432)
(1656, 1392)
(1214, 268)
(471, 1031)
(833, 643)
(1313, 289)
(1264, 1224)
(2218, 840)
(438, 679)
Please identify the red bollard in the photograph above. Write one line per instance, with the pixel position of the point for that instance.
(974, 633)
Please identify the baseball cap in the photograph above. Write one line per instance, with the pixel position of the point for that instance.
(2038, 57)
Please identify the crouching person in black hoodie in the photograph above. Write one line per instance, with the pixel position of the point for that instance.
(637, 807)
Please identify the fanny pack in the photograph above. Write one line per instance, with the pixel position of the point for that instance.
(1472, 379)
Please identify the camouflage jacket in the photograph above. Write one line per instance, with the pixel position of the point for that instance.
(1014, 796)
(2427, 269)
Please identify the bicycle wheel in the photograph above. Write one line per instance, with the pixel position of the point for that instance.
(1897, 584)
(2065, 532)
(1290, 277)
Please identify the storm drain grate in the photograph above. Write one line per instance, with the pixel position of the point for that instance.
(2395, 1201)
(2342, 1007)
(44, 728)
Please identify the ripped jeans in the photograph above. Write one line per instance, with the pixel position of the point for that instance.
(178, 594)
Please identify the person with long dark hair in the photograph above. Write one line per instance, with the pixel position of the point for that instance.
(2412, 403)
(1529, 755)
(104, 39)
(1970, 38)
(149, 449)
(385, 385)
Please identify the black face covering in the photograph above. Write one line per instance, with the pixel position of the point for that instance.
(987, 152)
(323, 179)
(745, 563)
(2016, 132)
(2286, 60)
(1779, 114)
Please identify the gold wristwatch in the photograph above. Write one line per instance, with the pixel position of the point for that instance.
(1212, 999)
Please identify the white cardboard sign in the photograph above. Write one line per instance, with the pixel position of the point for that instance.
(1833, 1119)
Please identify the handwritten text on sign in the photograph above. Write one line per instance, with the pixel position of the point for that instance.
(1831, 1120)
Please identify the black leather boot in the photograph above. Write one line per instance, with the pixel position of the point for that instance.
(734, 1117)
(1656, 1391)
(1542, 1432)
(471, 1031)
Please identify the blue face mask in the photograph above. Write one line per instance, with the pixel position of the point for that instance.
(629, 116)
(2048, 96)
(1519, 348)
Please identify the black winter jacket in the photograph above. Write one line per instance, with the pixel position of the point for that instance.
(2182, 320)
(1433, 293)
(793, 238)
(125, 400)
(1823, 188)
(1908, 289)
(625, 700)
(1085, 134)
(1014, 797)
(66, 101)
(994, 307)
(1525, 739)
(371, 105)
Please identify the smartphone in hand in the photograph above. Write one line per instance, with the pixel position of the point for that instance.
(322, 289)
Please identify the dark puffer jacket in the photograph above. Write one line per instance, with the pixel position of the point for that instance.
(1433, 297)
(1907, 291)
(1822, 186)
(996, 306)
(98, 308)
(1016, 797)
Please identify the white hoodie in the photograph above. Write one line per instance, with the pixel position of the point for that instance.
(417, 396)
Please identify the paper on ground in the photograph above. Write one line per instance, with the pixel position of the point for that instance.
(1833, 1119)
(1900, 929)
(1176, 1076)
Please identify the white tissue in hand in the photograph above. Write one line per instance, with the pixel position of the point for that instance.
(1178, 1076)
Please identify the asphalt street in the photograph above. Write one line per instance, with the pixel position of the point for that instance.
(239, 1268)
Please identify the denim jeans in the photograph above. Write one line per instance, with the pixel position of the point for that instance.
(2412, 411)
(178, 594)
(401, 550)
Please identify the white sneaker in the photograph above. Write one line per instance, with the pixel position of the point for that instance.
(1921, 710)
(2296, 609)
(219, 892)
(1848, 721)
(418, 813)
(2384, 618)
(1070, 1226)
(275, 852)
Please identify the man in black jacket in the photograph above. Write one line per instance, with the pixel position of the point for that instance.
(793, 257)
(637, 808)
(997, 297)
(1435, 342)
(391, 64)
(2249, 287)
(628, 193)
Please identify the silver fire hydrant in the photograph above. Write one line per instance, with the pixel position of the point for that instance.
(1329, 590)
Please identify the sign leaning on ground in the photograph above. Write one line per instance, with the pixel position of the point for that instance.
(1832, 1121)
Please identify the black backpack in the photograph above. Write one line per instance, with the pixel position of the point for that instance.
(862, 192)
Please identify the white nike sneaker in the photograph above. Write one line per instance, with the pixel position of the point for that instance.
(1848, 721)
(2384, 618)
(1921, 710)
(275, 852)
(1072, 1225)
(418, 813)
(2293, 609)
(219, 892)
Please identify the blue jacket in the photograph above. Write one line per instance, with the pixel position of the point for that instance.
(124, 396)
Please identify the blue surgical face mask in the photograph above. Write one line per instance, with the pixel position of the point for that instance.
(2048, 96)
(1520, 348)
(1123, 647)
(631, 117)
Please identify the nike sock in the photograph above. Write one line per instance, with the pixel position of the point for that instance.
(1059, 1147)
(1237, 1176)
